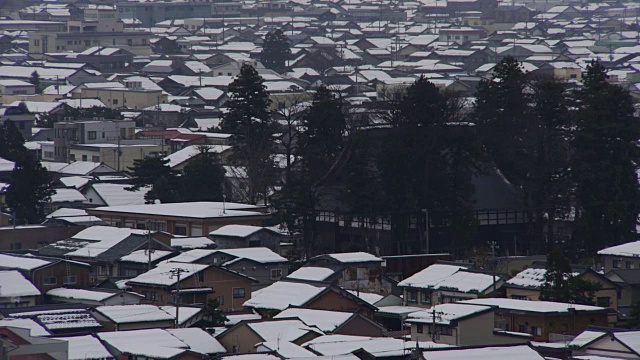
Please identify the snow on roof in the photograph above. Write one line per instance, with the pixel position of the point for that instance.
(532, 306)
(184, 313)
(122, 314)
(234, 319)
(531, 278)
(83, 103)
(101, 239)
(446, 313)
(520, 352)
(256, 356)
(161, 275)
(198, 210)
(236, 230)
(191, 242)
(73, 319)
(261, 255)
(209, 93)
(79, 168)
(370, 298)
(150, 343)
(86, 347)
(287, 349)
(586, 337)
(29, 324)
(142, 256)
(629, 338)
(116, 195)
(191, 151)
(80, 294)
(628, 249)
(431, 276)
(75, 181)
(198, 340)
(6, 165)
(311, 273)
(325, 320)
(21, 262)
(282, 330)
(398, 309)
(67, 212)
(14, 284)
(67, 195)
(353, 257)
(330, 345)
(280, 295)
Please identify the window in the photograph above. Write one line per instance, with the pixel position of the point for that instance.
(51, 280)
(425, 297)
(238, 293)
(536, 331)
(519, 297)
(604, 301)
(420, 328)
(617, 264)
(630, 265)
(411, 296)
(115, 101)
(92, 135)
(95, 158)
(221, 300)
(129, 42)
(102, 270)
(84, 157)
(130, 273)
(276, 274)
(523, 328)
(150, 295)
(71, 279)
(180, 229)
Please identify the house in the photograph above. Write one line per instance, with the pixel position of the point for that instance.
(86, 347)
(65, 320)
(22, 119)
(628, 281)
(139, 261)
(520, 352)
(283, 294)
(445, 283)
(543, 318)
(460, 325)
(187, 218)
(133, 317)
(174, 344)
(16, 290)
(336, 345)
(197, 284)
(107, 194)
(23, 343)
(48, 273)
(258, 263)
(245, 335)
(183, 156)
(334, 322)
(526, 285)
(243, 236)
(93, 297)
(34, 236)
(624, 256)
(102, 247)
(605, 343)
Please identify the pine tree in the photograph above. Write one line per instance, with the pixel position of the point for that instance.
(605, 162)
(147, 171)
(249, 122)
(11, 142)
(203, 178)
(561, 284)
(276, 51)
(36, 81)
(29, 190)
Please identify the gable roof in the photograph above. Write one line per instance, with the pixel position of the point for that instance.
(452, 277)
(14, 284)
(631, 249)
(325, 320)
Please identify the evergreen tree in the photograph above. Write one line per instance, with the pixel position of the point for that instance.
(165, 190)
(36, 81)
(155, 172)
(251, 127)
(276, 50)
(563, 285)
(11, 142)
(605, 162)
(203, 178)
(29, 190)
(212, 313)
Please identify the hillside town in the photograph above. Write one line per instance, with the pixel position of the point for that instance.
(311, 180)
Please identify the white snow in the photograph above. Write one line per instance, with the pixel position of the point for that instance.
(67, 195)
(80, 294)
(450, 277)
(122, 314)
(234, 319)
(196, 210)
(35, 328)
(6, 165)
(161, 275)
(282, 330)
(531, 277)
(330, 345)
(184, 313)
(236, 230)
(311, 273)
(353, 257)
(21, 262)
(191, 151)
(325, 320)
(142, 256)
(446, 313)
(198, 340)
(14, 284)
(370, 298)
(151, 343)
(532, 306)
(631, 249)
(285, 349)
(101, 239)
(86, 347)
(191, 242)
(281, 294)
(68, 320)
(520, 352)
(586, 337)
(258, 254)
(116, 195)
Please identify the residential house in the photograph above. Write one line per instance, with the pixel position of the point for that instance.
(133, 317)
(23, 343)
(9, 87)
(544, 318)
(187, 219)
(258, 263)
(283, 294)
(140, 261)
(244, 336)
(446, 283)
(605, 343)
(624, 256)
(336, 346)
(521, 352)
(243, 236)
(93, 297)
(22, 119)
(197, 284)
(109, 194)
(16, 290)
(628, 281)
(334, 322)
(460, 325)
(99, 131)
(55, 319)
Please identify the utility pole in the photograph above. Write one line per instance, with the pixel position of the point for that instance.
(493, 246)
(433, 323)
(150, 248)
(177, 272)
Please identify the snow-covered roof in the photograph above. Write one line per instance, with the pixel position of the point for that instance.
(122, 314)
(161, 274)
(586, 337)
(197, 340)
(79, 168)
(117, 195)
(13, 284)
(197, 210)
(29, 324)
(311, 273)
(67, 195)
(532, 306)
(287, 350)
(185, 313)
(150, 343)
(281, 330)
(450, 277)
(351, 257)
(191, 151)
(100, 239)
(6, 165)
(371, 298)
(446, 313)
(21, 262)
(75, 181)
(81, 294)
(531, 278)
(191, 242)
(520, 352)
(330, 345)
(631, 249)
(280, 295)
(234, 319)
(325, 320)
(142, 256)
(68, 319)
(86, 347)
(236, 230)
